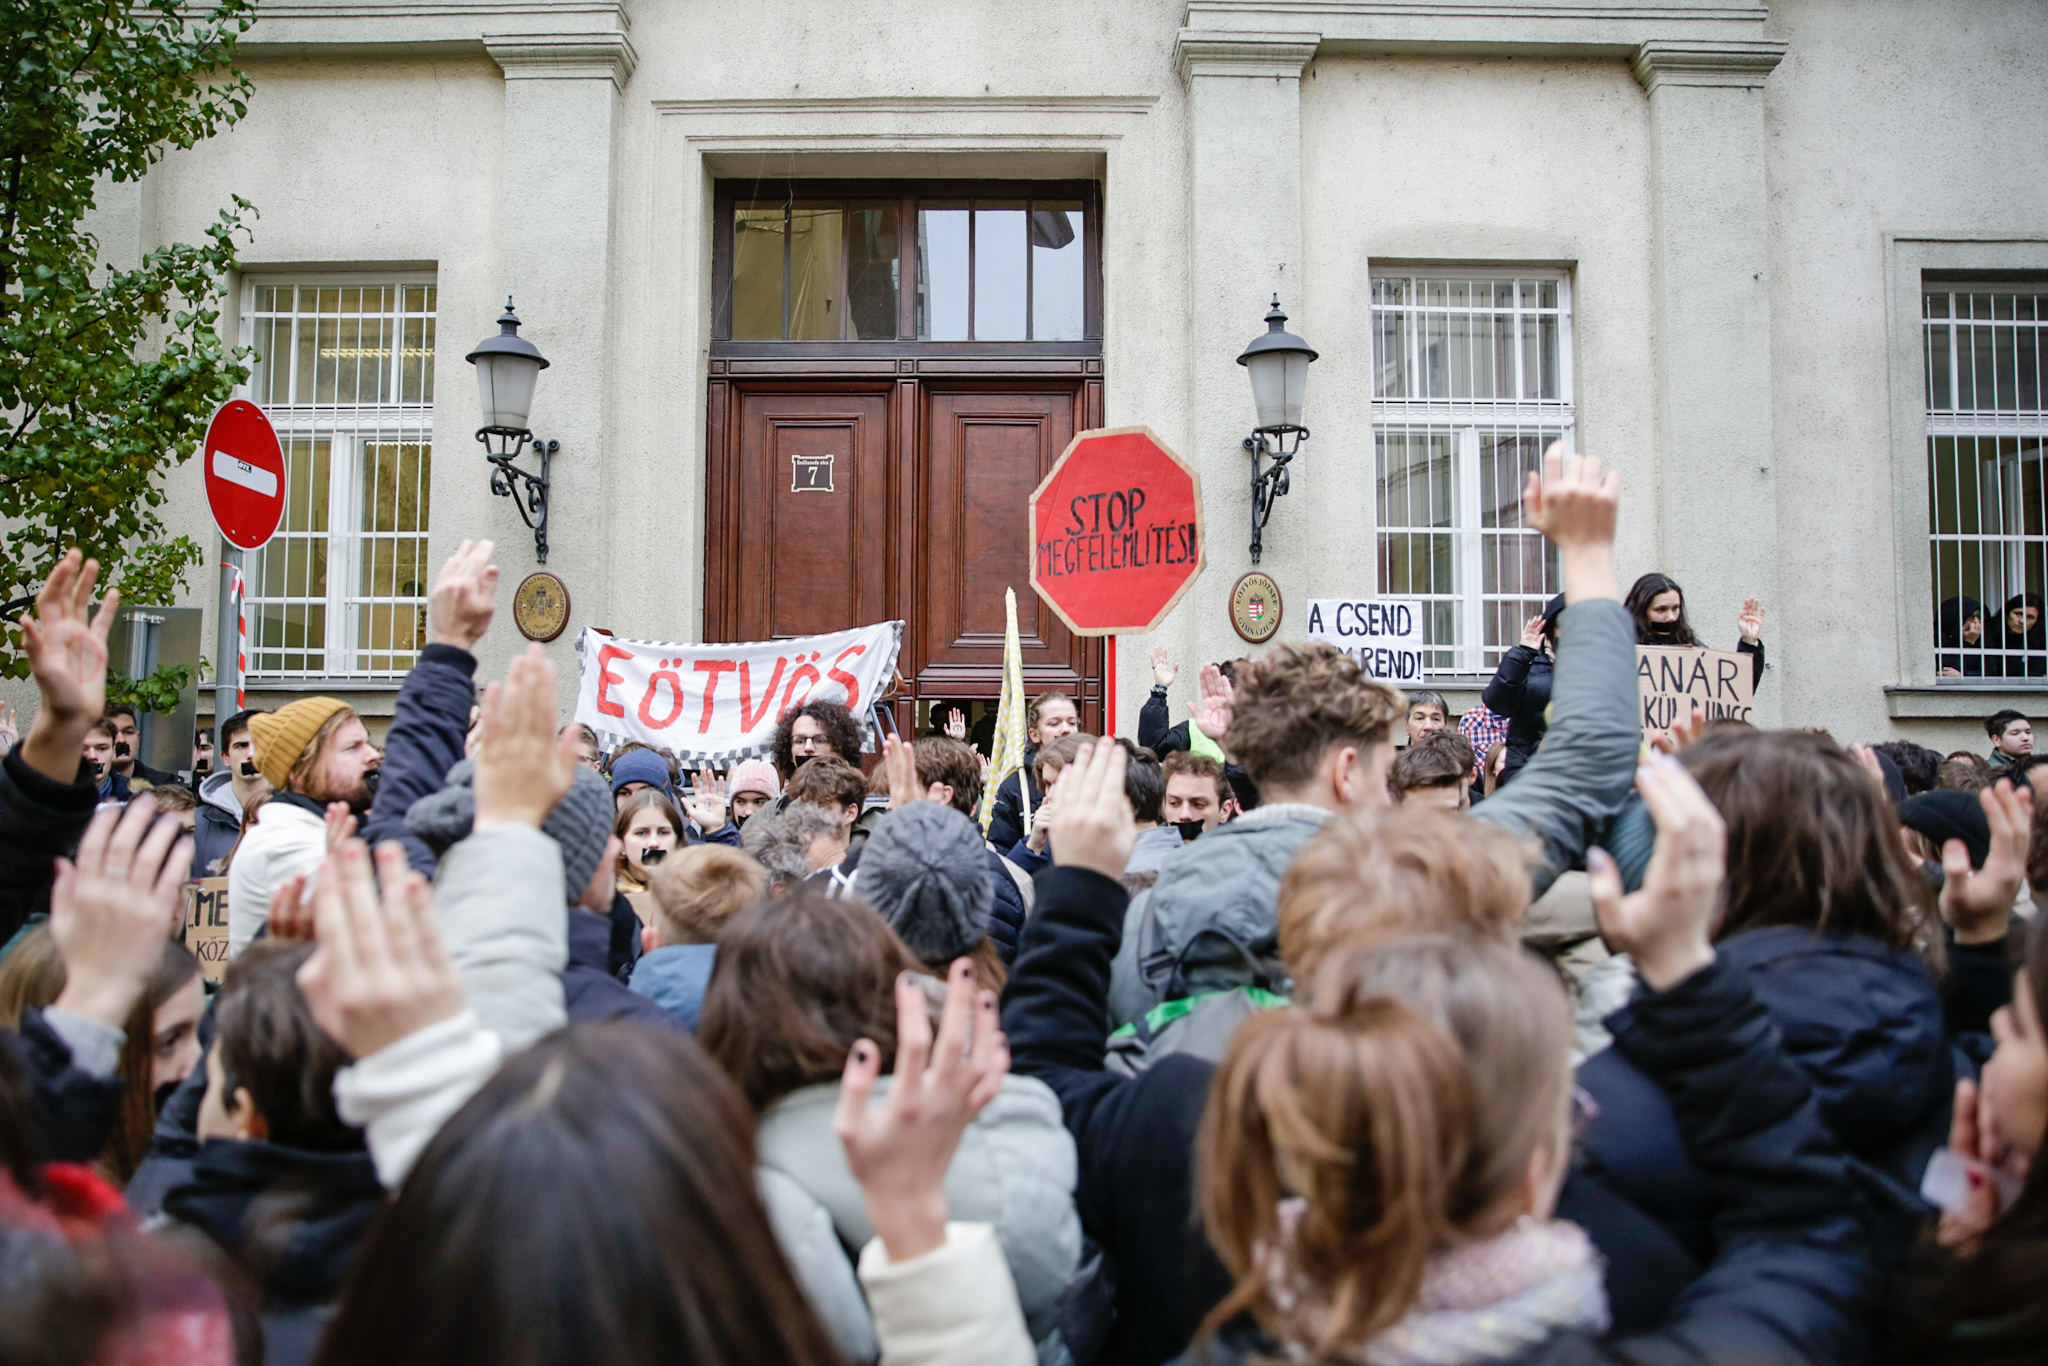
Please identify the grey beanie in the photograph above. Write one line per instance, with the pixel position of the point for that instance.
(925, 870)
(581, 822)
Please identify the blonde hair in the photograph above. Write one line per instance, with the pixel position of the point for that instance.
(1403, 1109)
(1393, 871)
(696, 890)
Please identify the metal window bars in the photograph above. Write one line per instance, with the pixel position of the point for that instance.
(345, 372)
(1987, 504)
(1471, 381)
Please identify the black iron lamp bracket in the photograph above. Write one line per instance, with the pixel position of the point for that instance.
(1270, 483)
(528, 491)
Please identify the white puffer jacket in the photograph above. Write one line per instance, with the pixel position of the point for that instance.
(1015, 1171)
(286, 840)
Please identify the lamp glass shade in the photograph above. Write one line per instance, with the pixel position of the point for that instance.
(1279, 386)
(504, 383)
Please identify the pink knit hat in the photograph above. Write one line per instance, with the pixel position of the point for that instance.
(755, 775)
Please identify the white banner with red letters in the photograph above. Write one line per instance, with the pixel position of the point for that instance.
(714, 705)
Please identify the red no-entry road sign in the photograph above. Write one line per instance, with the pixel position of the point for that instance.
(1116, 532)
(244, 474)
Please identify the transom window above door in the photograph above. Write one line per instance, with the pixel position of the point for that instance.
(946, 263)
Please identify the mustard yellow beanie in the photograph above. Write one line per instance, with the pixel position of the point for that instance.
(281, 736)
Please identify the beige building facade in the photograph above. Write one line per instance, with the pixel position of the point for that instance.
(1701, 240)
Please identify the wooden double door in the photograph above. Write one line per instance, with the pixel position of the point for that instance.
(842, 501)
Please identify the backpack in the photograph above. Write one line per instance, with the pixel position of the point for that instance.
(1201, 1025)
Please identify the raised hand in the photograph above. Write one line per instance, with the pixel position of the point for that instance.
(899, 766)
(899, 1150)
(112, 909)
(341, 824)
(1040, 831)
(1666, 927)
(1093, 826)
(67, 653)
(1216, 704)
(1978, 903)
(1164, 670)
(956, 724)
(1684, 730)
(291, 911)
(465, 596)
(1750, 621)
(707, 803)
(381, 971)
(523, 766)
(1532, 633)
(1575, 505)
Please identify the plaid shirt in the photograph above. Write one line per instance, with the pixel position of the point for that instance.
(1483, 728)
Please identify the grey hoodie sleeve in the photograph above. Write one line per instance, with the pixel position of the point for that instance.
(506, 920)
(1566, 794)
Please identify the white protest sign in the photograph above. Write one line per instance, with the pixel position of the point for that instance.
(714, 705)
(1383, 634)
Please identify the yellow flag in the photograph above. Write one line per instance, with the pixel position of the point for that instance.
(1009, 755)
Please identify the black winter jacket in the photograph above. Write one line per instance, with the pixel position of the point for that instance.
(428, 725)
(40, 819)
(1006, 822)
(1792, 1279)
(1006, 916)
(1135, 1135)
(1154, 734)
(1520, 691)
(1863, 1023)
(290, 1218)
(75, 1110)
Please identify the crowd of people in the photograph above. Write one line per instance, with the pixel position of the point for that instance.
(1255, 1037)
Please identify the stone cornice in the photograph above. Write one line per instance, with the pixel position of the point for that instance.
(1213, 52)
(1662, 62)
(563, 56)
(1482, 28)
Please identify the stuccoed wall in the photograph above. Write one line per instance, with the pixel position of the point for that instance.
(567, 155)
(1885, 116)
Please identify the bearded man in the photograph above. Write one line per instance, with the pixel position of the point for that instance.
(312, 752)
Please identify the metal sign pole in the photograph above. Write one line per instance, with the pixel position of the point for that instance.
(227, 678)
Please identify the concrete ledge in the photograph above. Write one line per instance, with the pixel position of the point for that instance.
(1957, 700)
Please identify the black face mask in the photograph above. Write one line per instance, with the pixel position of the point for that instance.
(1188, 830)
(121, 750)
(201, 768)
(1664, 630)
(248, 768)
(370, 781)
(99, 770)
(650, 857)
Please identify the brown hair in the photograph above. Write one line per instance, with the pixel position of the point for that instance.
(1812, 841)
(101, 726)
(1959, 776)
(798, 981)
(30, 976)
(640, 801)
(828, 781)
(942, 759)
(1385, 872)
(306, 768)
(1404, 1108)
(269, 1043)
(1489, 776)
(696, 890)
(1441, 759)
(1186, 763)
(173, 797)
(135, 1125)
(1051, 758)
(1296, 705)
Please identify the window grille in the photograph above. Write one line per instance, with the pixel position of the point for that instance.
(1988, 533)
(1471, 381)
(345, 371)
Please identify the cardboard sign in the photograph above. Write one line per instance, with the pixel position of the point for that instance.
(714, 705)
(1116, 532)
(1383, 634)
(206, 925)
(1674, 683)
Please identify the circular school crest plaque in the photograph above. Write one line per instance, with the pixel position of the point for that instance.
(541, 607)
(1255, 607)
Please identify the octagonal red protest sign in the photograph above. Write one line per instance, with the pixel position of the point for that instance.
(1116, 532)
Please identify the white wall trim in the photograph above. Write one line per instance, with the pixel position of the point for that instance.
(1909, 257)
(1742, 65)
(563, 56)
(1257, 55)
(917, 104)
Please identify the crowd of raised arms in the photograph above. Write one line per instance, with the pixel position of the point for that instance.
(1257, 1039)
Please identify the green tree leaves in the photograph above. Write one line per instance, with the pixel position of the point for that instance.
(107, 377)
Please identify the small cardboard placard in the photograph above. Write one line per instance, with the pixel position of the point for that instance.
(1383, 634)
(1674, 683)
(206, 925)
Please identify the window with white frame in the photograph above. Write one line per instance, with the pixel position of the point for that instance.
(1472, 378)
(345, 370)
(1988, 503)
